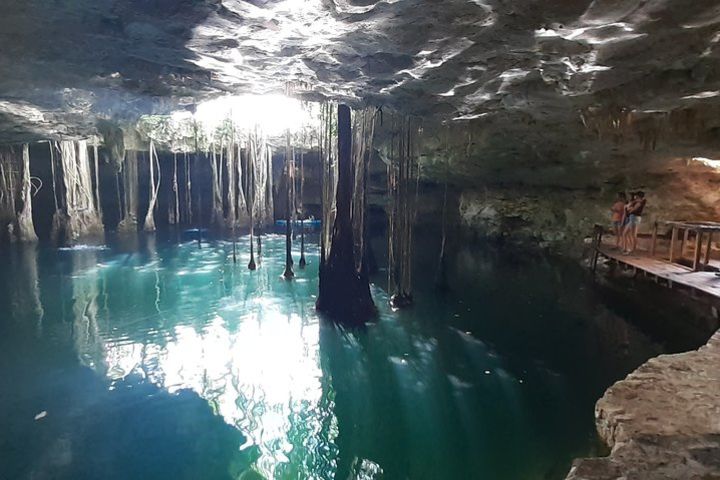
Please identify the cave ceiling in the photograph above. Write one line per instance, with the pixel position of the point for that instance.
(525, 70)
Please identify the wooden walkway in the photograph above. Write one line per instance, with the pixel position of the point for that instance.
(673, 273)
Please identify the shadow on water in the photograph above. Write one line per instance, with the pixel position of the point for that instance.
(148, 359)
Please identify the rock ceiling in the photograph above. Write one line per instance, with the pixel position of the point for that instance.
(528, 67)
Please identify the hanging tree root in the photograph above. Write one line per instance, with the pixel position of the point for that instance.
(401, 214)
(289, 165)
(78, 214)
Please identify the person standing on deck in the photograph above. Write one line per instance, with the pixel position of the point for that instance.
(617, 212)
(634, 213)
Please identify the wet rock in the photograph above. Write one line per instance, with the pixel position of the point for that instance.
(662, 421)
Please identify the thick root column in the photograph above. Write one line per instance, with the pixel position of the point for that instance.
(344, 292)
(26, 229)
(130, 188)
(363, 136)
(16, 189)
(401, 215)
(174, 207)
(301, 211)
(289, 168)
(216, 172)
(231, 168)
(78, 215)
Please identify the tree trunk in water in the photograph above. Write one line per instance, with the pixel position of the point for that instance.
(130, 187)
(26, 229)
(153, 161)
(344, 294)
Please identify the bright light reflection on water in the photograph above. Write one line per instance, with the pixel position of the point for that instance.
(253, 356)
(203, 369)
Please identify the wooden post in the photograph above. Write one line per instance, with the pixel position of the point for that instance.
(698, 248)
(673, 237)
(683, 243)
(654, 239)
(707, 249)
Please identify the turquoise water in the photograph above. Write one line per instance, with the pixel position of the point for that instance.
(153, 360)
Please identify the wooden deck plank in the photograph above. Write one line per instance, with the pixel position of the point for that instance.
(706, 282)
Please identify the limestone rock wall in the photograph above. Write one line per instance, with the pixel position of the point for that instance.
(662, 421)
(559, 216)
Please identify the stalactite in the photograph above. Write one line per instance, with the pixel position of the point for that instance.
(129, 222)
(344, 293)
(153, 162)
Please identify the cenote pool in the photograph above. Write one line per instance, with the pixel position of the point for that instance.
(157, 360)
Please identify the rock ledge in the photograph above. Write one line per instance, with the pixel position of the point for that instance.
(662, 421)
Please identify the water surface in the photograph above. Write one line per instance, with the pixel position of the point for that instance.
(153, 360)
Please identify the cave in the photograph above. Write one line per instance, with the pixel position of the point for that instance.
(360, 239)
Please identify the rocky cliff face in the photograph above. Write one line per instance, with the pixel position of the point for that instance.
(662, 421)
(561, 216)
